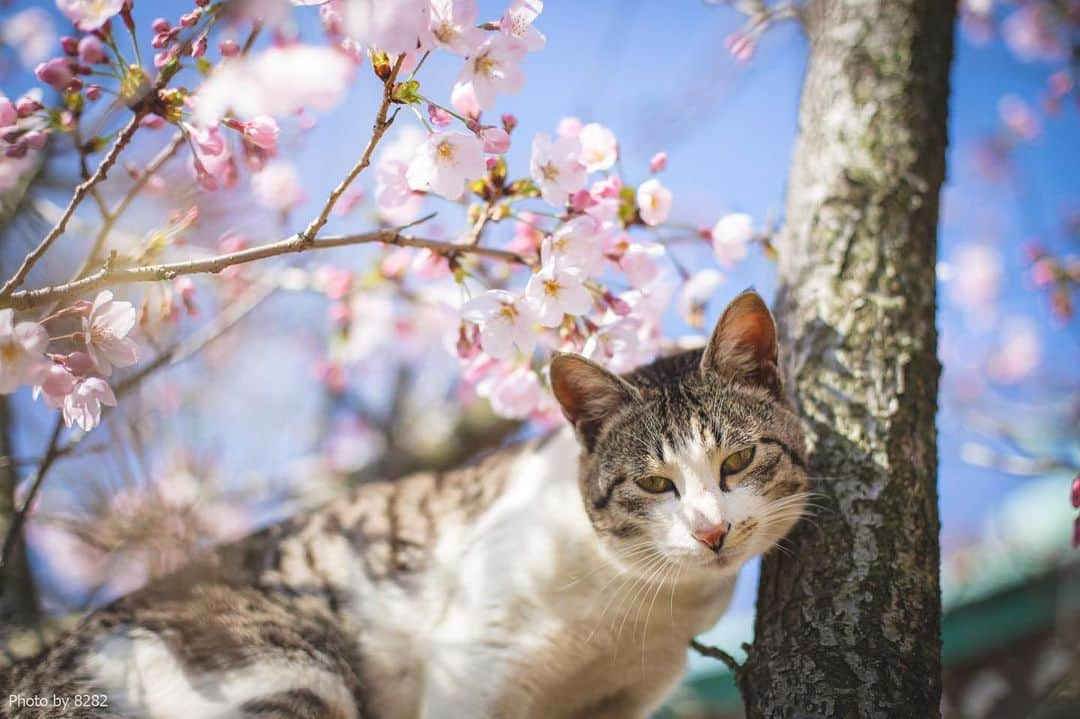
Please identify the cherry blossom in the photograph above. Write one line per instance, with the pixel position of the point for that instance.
(395, 27)
(578, 245)
(654, 202)
(496, 140)
(658, 162)
(21, 348)
(976, 276)
(518, 22)
(82, 406)
(640, 262)
(89, 14)
(730, 236)
(261, 131)
(8, 113)
(453, 25)
(599, 149)
(463, 98)
(505, 320)
(445, 162)
(493, 67)
(91, 51)
(695, 295)
(30, 33)
(105, 331)
(569, 127)
(54, 383)
(395, 200)
(556, 168)
(277, 187)
(617, 345)
(56, 72)
(556, 291)
(517, 395)
(278, 81)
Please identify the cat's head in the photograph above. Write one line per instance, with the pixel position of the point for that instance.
(695, 458)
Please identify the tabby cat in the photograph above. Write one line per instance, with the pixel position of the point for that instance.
(563, 577)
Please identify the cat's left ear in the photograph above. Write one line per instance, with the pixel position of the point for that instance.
(743, 345)
(588, 393)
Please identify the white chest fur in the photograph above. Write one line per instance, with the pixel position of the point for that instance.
(523, 614)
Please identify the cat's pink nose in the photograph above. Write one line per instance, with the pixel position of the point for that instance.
(712, 536)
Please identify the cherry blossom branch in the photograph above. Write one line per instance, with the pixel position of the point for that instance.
(81, 190)
(382, 124)
(109, 276)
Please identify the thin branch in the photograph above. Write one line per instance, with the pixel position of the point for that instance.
(81, 191)
(382, 124)
(110, 276)
(717, 653)
(14, 533)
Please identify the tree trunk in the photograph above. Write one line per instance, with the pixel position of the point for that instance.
(848, 624)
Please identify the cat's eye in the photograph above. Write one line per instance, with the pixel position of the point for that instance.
(655, 484)
(737, 462)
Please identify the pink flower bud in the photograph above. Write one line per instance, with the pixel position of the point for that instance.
(189, 19)
(93, 92)
(69, 44)
(581, 201)
(1076, 492)
(19, 149)
(262, 131)
(496, 140)
(91, 51)
(229, 48)
(1042, 272)
(26, 106)
(79, 362)
(55, 73)
(160, 25)
(8, 114)
(75, 84)
(618, 305)
(160, 40)
(491, 163)
(658, 162)
(438, 116)
(509, 122)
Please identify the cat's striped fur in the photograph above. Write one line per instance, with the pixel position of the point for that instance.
(542, 581)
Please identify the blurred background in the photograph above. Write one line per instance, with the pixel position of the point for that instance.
(285, 403)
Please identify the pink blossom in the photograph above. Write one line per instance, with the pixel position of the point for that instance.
(496, 140)
(1034, 34)
(1019, 353)
(278, 81)
(1018, 117)
(82, 406)
(30, 33)
(89, 14)
(599, 149)
(105, 332)
(212, 162)
(556, 168)
(640, 262)
(209, 140)
(8, 114)
(56, 73)
(453, 25)
(654, 202)
(730, 236)
(463, 98)
(445, 162)
(493, 67)
(527, 235)
(617, 345)
(556, 292)
(391, 185)
(658, 162)
(695, 296)
(91, 51)
(438, 116)
(569, 127)
(21, 348)
(977, 271)
(516, 395)
(395, 27)
(741, 46)
(578, 245)
(278, 187)
(505, 320)
(518, 21)
(262, 131)
(581, 201)
(54, 383)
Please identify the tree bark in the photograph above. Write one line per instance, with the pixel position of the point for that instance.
(848, 623)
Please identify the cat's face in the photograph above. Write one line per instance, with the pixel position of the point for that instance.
(695, 458)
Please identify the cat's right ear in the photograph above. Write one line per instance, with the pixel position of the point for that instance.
(588, 393)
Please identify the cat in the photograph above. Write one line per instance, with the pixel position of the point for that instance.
(563, 577)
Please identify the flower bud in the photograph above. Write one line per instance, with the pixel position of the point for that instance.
(161, 25)
(229, 48)
(91, 51)
(69, 44)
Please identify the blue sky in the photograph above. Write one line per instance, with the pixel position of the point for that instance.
(659, 76)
